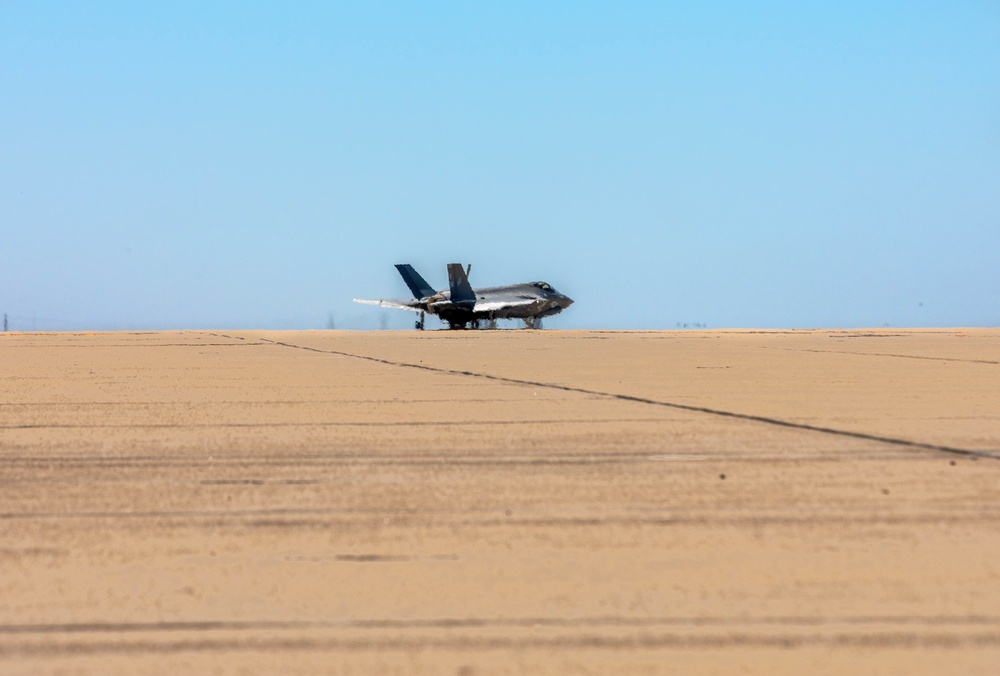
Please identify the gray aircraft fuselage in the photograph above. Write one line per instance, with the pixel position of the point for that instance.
(517, 301)
(461, 305)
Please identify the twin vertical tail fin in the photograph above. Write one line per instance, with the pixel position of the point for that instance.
(458, 280)
(417, 284)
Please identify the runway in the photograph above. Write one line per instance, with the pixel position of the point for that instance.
(496, 502)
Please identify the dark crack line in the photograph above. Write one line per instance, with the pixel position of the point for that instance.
(778, 422)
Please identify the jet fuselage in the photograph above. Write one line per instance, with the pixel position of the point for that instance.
(460, 305)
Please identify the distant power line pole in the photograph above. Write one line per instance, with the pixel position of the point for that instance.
(5, 322)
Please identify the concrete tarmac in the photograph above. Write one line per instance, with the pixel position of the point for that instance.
(503, 502)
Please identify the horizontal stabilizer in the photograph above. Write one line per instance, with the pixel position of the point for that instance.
(417, 284)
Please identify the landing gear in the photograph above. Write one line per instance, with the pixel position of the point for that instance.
(532, 322)
(419, 325)
(464, 322)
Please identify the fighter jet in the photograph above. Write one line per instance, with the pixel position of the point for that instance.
(461, 306)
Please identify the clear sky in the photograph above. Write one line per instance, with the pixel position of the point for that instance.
(733, 164)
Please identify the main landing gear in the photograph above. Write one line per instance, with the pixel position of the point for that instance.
(474, 324)
(419, 325)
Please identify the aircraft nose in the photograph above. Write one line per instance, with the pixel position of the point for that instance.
(565, 301)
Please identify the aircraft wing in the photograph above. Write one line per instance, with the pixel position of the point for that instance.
(494, 305)
(397, 303)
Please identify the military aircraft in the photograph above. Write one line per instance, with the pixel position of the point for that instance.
(461, 306)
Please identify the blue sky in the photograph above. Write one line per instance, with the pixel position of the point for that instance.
(257, 165)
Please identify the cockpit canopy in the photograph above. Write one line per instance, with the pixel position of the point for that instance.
(543, 286)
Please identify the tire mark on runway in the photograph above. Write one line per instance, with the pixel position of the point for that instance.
(338, 423)
(371, 558)
(101, 346)
(263, 402)
(576, 642)
(880, 354)
(609, 621)
(767, 420)
(259, 482)
(645, 639)
(61, 463)
(326, 518)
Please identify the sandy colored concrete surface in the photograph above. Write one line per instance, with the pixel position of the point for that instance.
(500, 502)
